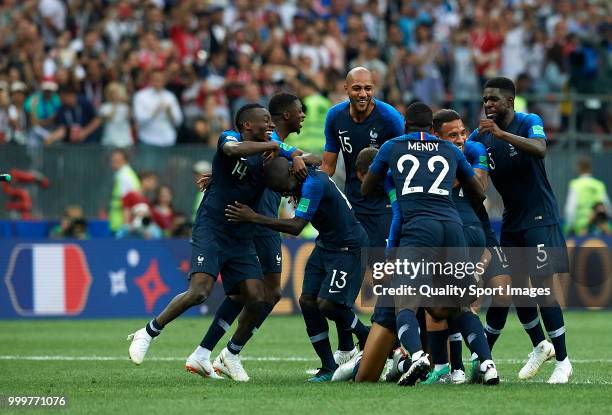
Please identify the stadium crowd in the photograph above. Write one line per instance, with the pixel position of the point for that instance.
(162, 72)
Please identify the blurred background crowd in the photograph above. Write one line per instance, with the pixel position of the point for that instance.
(162, 73)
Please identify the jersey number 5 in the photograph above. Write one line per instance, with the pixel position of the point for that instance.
(407, 189)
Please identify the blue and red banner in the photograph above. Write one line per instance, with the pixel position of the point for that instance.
(107, 278)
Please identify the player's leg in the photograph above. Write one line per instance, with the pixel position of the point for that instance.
(551, 257)
(339, 289)
(228, 361)
(224, 317)
(381, 341)
(497, 313)
(316, 324)
(514, 244)
(204, 268)
(437, 335)
(242, 275)
(269, 253)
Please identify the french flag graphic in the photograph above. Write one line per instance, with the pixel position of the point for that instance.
(48, 279)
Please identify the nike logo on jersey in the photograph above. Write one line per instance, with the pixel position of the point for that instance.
(342, 132)
(538, 266)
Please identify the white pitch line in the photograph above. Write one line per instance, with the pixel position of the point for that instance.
(95, 358)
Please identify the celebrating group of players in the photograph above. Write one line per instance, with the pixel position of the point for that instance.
(434, 179)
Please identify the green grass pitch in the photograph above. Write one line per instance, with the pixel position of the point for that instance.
(87, 362)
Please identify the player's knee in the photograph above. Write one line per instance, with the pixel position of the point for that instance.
(326, 307)
(254, 308)
(502, 300)
(307, 301)
(273, 295)
(199, 288)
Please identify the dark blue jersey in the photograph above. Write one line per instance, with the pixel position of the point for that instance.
(327, 208)
(395, 229)
(233, 179)
(344, 134)
(519, 177)
(270, 200)
(424, 169)
(476, 155)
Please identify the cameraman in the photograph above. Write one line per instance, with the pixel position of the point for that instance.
(599, 224)
(141, 225)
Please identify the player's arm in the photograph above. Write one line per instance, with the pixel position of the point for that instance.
(329, 163)
(331, 149)
(242, 213)
(472, 188)
(534, 144)
(300, 160)
(477, 156)
(396, 219)
(234, 148)
(373, 180)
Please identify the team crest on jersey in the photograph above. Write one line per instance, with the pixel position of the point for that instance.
(373, 134)
(512, 151)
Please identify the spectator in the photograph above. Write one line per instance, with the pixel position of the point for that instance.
(599, 222)
(583, 194)
(73, 225)
(149, 183)
(5, 125)
(157, 113)
(76, 119)
(141, 225)
(17, 116)
(116, 115)
(200, 168)
(125, 181)
(42, 108)
(163, 212)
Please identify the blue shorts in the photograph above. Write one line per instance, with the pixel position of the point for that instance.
(269, 252)
(213, 252)
(546, 252)
(498, 265)
(334, 275)
(475, 241)
(376, 226)
(384, 316)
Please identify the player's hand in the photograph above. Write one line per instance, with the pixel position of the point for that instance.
(489, 126)
(299, 168)
(204, 181)
(271, 154)
(239, 213)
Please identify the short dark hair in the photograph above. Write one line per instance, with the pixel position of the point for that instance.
(442, 117)
(280, 103)
(364, 159)
(418, 116)
(243, 114)
(503, 84)
(276, 172)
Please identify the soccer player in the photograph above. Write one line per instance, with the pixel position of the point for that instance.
(361, 121)
(448, 125)
(287, 115)
(368, 365)
(221, 246)
(335, 269)
(516, 144)
(424, 169)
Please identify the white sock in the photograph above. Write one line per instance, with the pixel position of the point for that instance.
(440, 367)
(202, 353)
(474, 356)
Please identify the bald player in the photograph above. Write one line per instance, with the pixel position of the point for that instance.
(361, 121)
